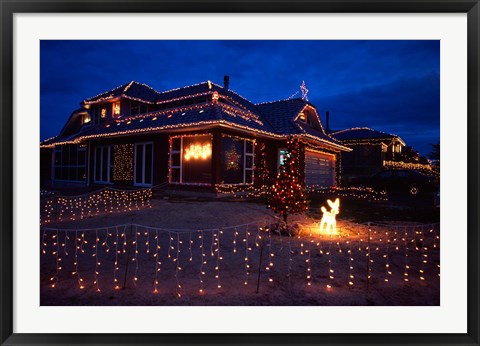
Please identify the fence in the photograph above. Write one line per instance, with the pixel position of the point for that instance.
(252, 255)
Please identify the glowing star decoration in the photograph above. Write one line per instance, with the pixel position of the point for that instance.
(232, 158)
(304, 90)
(198, 151)
(215, 97)
(328, 219)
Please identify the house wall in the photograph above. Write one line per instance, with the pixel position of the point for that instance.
(271, 148)
(160, 156)
(46, 157)
(363, 161)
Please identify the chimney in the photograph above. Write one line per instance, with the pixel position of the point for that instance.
(226, 82)
(327, 121)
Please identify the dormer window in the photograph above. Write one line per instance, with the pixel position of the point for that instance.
(138, 108)
(116, 109)
(86, 119)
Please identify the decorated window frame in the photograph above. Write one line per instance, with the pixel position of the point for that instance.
(177, 157)
(248, 160)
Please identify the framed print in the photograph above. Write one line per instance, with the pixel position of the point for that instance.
(241, 173)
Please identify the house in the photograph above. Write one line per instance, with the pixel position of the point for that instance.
(197, 137)
(371, 152)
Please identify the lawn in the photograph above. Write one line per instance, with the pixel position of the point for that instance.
(245, 262)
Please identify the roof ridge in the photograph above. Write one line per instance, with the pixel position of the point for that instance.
(108, 91)
(184, 87)
(363, 128)
(276, 101)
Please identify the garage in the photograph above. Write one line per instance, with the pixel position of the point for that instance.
(319, 169)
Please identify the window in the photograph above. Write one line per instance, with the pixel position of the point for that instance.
(70, 162)
(116, 109)
(248, 162)
(99, 114)
(138, 108)
(191, 159)
(237, 160)
(134, 109)
(282, 153)
(143, 172)
(86, 119)
(103, 173)
(96, 117)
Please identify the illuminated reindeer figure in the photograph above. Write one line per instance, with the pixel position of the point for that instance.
(328, 219)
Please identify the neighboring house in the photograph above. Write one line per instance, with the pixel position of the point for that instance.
(372, 151)
(195, 137)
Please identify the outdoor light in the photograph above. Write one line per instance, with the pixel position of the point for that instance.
(328, 219)
(116, 108)
(215, 97)
(198, 151)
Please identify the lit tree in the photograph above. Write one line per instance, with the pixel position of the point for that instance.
(287, 195)
(262, 173)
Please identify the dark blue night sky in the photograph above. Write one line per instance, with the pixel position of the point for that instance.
(391, 86)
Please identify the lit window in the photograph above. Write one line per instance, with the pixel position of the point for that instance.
(103, 112)
(191, 159)
(116, 109)
(281, 156)
(238, 160)
(86, 119)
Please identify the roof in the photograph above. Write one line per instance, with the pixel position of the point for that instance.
(274, 119)
(201, 115)
(204, 88)
(132, 90)
(363, 133)
(282, 114)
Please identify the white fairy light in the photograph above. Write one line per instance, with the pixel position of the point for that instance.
(247, 265)
(157, 263)
(97, 262)
(202, 262)
(135, 259)
(79, 278)
(190, 242)
(178, 268)
(217, 267)
(115, 267)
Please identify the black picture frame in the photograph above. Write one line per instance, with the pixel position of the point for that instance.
(10, 7)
